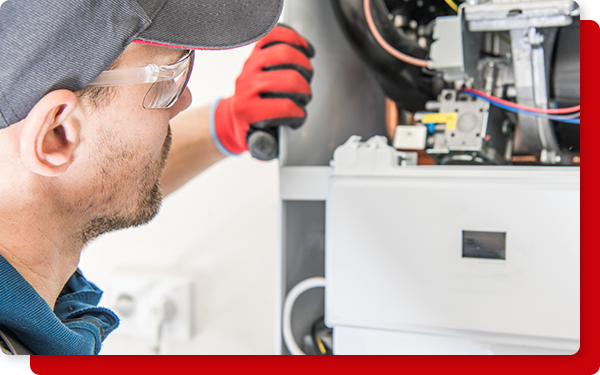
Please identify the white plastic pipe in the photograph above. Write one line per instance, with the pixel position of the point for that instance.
(303, 286)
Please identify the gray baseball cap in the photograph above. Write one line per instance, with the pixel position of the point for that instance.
(47, 45)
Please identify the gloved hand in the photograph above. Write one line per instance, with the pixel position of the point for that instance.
(272, 90)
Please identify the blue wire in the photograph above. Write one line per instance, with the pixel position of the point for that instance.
(517, 110)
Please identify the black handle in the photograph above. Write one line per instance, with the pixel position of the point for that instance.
(263, 144)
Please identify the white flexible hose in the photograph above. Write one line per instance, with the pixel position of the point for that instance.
(303, 286)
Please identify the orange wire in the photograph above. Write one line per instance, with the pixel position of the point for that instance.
(382, 42)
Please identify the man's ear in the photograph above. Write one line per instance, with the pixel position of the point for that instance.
(50, 134)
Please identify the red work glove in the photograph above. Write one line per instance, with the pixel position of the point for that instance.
(272, 90)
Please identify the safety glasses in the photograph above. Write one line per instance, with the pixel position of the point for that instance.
(168, 81)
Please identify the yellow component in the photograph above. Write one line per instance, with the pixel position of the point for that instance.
(441, 118)
(452, 5)
(321, 346)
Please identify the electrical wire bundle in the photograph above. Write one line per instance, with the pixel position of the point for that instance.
(388, 47)
(321, 336)
(568, 115)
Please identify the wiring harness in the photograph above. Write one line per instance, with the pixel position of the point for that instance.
(568, 115)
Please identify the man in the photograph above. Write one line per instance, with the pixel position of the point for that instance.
(89, 94)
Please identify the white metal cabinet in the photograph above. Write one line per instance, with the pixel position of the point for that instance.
(394, 254)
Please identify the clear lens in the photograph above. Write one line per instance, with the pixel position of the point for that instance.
(164, 93)
(161, 95)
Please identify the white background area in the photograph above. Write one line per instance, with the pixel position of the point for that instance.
(219, 231)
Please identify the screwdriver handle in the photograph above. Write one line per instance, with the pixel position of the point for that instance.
(263, 144)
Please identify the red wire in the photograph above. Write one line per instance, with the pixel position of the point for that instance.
(524, 107)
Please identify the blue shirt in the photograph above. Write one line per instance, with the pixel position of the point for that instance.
(76, 326)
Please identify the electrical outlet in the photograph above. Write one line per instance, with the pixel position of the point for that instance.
(138, 301)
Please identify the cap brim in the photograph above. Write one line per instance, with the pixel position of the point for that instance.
(216, 24)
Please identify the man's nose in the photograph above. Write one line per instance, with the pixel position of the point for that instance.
(184, 101)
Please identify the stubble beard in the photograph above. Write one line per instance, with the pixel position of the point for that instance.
(148, 202)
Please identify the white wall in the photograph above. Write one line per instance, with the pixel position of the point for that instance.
(219, 230)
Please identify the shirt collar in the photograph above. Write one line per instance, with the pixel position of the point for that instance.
(77, 326)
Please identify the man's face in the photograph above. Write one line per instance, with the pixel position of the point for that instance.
(128, 146)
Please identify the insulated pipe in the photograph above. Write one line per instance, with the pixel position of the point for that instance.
(303, 286)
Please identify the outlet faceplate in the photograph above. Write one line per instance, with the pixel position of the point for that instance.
(137, 301)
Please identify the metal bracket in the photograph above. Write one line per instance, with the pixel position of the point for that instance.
(530, 74)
